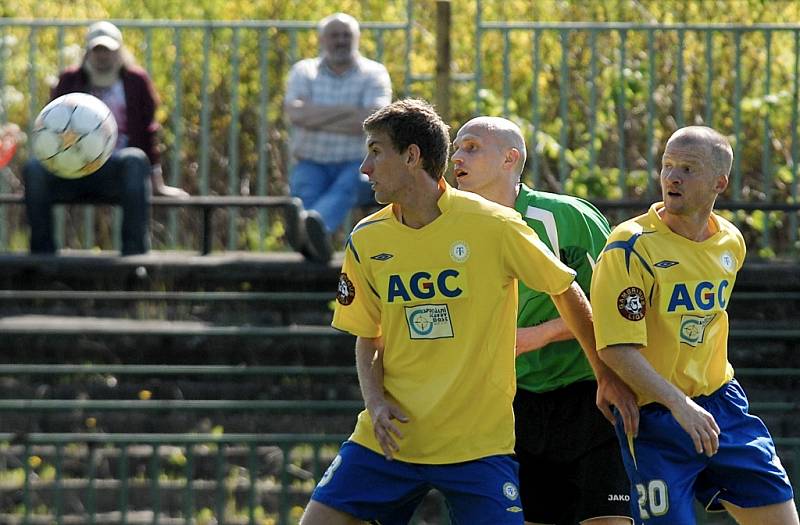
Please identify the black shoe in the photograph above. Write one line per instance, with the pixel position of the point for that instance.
(318, 245)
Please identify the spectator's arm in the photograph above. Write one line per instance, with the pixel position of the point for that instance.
(147, 116)
(304, 113)
(335, 119)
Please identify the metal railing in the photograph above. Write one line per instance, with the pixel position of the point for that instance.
(171, 467)
(187, 478)
(598, 100)
(221, 85)
(262, 475)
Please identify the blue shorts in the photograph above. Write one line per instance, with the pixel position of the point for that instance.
(667, 473)
(365, 485)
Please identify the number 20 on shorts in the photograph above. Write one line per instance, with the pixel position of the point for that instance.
(653, 499)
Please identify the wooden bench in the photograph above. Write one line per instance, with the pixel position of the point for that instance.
(291, 207)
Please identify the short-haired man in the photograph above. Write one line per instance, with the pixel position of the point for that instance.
(327, 99)
(659, 293)
(429, 288)
(559, 428)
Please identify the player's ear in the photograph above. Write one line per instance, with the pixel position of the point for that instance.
(721, 185)
(512, 156)
(412, 155)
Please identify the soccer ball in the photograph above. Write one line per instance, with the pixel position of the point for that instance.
(74, 135)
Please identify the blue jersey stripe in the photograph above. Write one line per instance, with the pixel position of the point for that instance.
(349, 242)
(628, 246)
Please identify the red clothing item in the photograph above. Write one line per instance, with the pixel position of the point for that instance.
(141, 101)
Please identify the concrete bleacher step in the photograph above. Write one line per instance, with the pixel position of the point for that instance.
(72, 326)
(171, 271)
(218, 307)
(172, 310)
(57, 339)
(110, 387)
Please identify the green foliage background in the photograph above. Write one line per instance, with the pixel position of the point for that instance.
(587, 165)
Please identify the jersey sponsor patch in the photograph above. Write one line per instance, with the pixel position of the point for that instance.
(631, 303)
(345, 292)
(429, 321)
(693, 328)
(695, 296)
(410, 287)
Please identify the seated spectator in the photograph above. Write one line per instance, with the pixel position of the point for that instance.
(108, 72)
(327, 99)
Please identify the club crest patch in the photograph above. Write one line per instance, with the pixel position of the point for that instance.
(631, 304)
(727, 261)
(345, 292)
(510, 490)
(459, 251)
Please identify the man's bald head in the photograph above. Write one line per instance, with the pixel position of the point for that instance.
(718, 150)
(503, 132)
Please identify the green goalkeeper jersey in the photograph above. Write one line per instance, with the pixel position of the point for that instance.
(576, 232)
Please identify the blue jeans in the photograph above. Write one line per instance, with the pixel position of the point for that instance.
(123, 180)
(330, 189)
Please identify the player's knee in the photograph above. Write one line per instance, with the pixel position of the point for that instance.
(135, 161)
(608, 520)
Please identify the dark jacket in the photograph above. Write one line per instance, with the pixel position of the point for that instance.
(141, 101)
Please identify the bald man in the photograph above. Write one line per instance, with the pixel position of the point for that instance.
(660, 292)
(559, 429)
(327, 99)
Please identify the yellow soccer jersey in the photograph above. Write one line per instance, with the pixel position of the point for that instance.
(444, 300)
(655, 288)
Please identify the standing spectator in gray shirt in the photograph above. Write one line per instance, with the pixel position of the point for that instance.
(327, 99)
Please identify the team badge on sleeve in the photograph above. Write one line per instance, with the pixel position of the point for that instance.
(631, 304)
(346, 292)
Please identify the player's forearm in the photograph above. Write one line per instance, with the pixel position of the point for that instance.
(369, 365)
(575, 310)
(532, 338)
(628, 362)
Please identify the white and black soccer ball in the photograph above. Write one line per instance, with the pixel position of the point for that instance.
(74, 135)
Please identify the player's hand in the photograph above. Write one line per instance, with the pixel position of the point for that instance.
(700, 425)
(386, 431)
(611, 390)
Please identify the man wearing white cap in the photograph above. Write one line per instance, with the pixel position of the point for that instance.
(107, 71)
